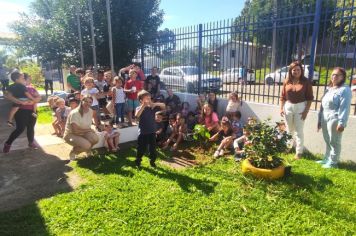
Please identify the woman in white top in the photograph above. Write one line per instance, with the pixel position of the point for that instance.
(119, 99)
(78, 132)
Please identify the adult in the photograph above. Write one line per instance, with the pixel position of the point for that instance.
(296, 98)
(173, 101)
(4, 79)
(333, 115)
(47, 73)
(78, 132)
(155, 81)
(24, 117)
(135, 66)
(73, 82)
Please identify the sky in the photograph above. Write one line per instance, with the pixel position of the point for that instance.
(178, 13)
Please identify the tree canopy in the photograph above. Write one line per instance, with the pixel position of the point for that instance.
(50, 31)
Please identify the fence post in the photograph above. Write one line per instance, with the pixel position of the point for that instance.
(143, 57)
(314, 38)
(200, 56)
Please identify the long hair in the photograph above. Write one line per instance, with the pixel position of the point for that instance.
(203, 114)
(343, 72)
(291, 67)
(80, 108)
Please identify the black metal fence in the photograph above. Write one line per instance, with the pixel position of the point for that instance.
(250, 54)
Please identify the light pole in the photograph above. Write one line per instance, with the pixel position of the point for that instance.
(80, 38)
(110, 36)
(92, 33)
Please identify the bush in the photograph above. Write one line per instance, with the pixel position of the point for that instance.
(266, 143)
(34, 70)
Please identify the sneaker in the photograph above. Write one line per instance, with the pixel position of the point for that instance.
(216, 153)
(153, 164)
(329, 165)
(33, 145)
(237, 158)
(6, 148)
(72, 156)
(221, 153)
(324, 161)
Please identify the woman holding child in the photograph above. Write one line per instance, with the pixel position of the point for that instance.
(296, 98)
(78, 132)
(25, 116)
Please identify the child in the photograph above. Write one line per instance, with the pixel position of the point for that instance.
(145, 114)
(19, 91)
(73, 103)
(171, 125)
(213, 101)
(236, 124)
(62, 113)
(119, 99)
(191, 121)
(111, 138)
(233, 105)
(159, 127)
(209, 119)
(281, 128)
(93, 92)
(225, 136)
(239, 144)
(185, 109)
(179, 133)
(200, 103)
(131, 88)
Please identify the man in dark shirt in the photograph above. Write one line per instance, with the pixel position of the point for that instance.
(154, 79)
(145, 114)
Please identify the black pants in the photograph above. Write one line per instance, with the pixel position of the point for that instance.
(48, 85)
(5, 85)
(143, 141)
(24, 120)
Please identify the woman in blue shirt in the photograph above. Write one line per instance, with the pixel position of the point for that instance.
(333, 116)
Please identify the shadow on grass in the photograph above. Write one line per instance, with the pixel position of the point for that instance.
(25, 221)
(184, 181)
(110, 163)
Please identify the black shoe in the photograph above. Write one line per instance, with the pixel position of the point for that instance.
(153, 164)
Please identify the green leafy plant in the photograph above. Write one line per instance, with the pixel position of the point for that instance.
(201, 134)
(266, 143)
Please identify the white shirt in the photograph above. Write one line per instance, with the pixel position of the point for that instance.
(232, 106)
(91, 92)
(120, 95)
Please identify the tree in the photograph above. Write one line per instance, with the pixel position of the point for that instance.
(344, 29)
(50, 31)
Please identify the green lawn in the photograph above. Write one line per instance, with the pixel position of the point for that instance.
(214, 199)
(44, 115)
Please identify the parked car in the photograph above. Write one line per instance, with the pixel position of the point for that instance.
(279, 75)
(186, 78)
(234, 75)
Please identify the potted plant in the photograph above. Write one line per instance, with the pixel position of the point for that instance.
(265, 144)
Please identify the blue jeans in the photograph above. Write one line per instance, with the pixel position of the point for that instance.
(120, 112)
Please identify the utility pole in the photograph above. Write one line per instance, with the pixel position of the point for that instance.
(92, 33)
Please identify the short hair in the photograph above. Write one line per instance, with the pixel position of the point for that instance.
(80, 71)
(137, 64)
(72, 99)
(15, 75)
(142, 94)
(89, 79)
(159, 113)
(238, 114)
(101, 72)
(60, 100)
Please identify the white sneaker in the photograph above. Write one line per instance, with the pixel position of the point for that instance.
(216, 153)
(221, 153)
(72, 156)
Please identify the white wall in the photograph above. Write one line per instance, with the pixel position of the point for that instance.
(314, 141)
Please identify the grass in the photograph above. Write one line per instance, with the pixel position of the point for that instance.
(214, 199)
(44, 115)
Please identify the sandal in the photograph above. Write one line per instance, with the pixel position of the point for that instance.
(11, 124)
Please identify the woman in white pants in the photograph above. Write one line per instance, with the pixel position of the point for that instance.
(333, 116)
(296, 98)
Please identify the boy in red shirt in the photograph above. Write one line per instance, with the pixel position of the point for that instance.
(131, 88)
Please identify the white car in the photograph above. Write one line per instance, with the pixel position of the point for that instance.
(279, 75)
(234, 75)
(186, 78)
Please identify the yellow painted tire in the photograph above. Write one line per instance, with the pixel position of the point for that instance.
(275, 173)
